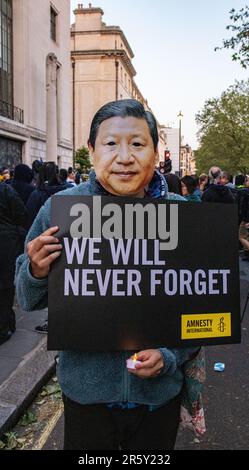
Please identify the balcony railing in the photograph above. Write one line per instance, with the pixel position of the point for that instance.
(11, 112)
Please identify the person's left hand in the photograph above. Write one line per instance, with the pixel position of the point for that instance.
(152, 364)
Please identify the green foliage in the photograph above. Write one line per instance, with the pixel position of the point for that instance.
(239, 43)
(28, 418)
(2, 445)
(52, 389)
(82, 158)
(224, 131)
(12, 441)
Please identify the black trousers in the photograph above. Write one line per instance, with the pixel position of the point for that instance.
(97, 427)
(7, 314)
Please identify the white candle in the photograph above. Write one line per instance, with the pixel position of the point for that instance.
(131, 363)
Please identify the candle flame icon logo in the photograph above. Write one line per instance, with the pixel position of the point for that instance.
(221, 326)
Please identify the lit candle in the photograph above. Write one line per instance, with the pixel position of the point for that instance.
(131, 363)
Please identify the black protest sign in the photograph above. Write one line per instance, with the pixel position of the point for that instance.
(143, 273)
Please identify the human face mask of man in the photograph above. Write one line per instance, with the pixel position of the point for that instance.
(124, 156)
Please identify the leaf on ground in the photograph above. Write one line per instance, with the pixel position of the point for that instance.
(2, 445)
(11, 441)
(55, 379)
(21, 441)
(50, 389)
(28, 418)
(40, 402)
(57, 396)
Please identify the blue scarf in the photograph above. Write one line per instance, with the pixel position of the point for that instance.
(157, 188)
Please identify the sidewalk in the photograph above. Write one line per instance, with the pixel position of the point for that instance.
(25, 365)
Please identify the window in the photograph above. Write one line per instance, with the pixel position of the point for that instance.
(6, 49)
(53, 19)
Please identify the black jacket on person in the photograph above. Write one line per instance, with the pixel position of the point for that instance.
(23, 176)
(23, 188)
(218, 193)
(38, 197)
(13, 216)
(243, 204)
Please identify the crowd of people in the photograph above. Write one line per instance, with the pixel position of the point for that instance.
(23, 191)
(149, 419)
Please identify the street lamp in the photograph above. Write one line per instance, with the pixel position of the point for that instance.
(180, 116)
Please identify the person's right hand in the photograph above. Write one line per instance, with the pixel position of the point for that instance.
(42, 251)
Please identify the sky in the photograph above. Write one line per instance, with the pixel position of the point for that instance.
(173, 43)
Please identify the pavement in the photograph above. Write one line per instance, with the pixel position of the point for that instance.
(26, 365)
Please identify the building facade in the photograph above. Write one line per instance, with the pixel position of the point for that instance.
(35, 82)
(188, 166)
(172, 143)
(102, 70)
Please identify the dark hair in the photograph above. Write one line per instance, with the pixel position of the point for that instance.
(190, 183)
(22, 172)
(240, 180)
(49, 173)
(63, 174)
(202, 177)
(36, 165)
(123, 108)
(174, 184)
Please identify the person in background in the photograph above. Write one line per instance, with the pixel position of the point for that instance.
(216, 192)
(23, 176)
(240, 181)
(174, 184)
(203, 182)
(244, 239)
(78, 177)
(36, 165)
(5, 172)
(71, 176)
(188, 187)
(13, 215)
(48, 183)
(108, 406)
(243, 212)
(226, 179)
(63, 178)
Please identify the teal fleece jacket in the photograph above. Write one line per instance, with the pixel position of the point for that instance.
(100, 377)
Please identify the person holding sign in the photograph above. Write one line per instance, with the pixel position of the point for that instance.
(109, 403)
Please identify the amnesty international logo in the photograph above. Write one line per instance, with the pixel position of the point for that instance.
(205, 325)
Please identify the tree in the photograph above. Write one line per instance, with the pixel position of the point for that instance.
(224, 132)
(82, 158)
(239, 43)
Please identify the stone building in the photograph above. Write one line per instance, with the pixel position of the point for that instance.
(188, 166)
(102, 70)
(35, 82)
(172, 143)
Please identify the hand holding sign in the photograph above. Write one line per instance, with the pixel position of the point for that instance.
(42, 251)
(151, 364)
